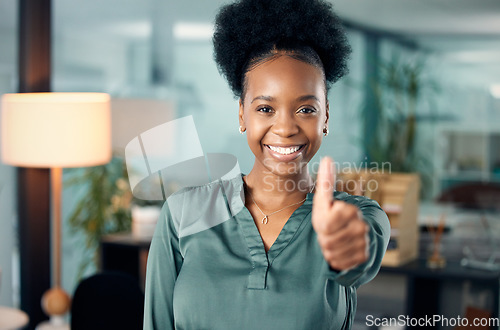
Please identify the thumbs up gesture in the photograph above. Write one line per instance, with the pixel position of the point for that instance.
(342, 232)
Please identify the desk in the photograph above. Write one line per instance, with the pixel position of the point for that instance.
(11, 318)
(423, 286)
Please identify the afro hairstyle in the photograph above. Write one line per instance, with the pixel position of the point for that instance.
(248, 29)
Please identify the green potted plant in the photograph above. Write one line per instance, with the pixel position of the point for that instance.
(104, 207)
(400, 88)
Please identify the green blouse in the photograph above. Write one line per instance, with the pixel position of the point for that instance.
(208, 269)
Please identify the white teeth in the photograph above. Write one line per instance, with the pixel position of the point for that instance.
(284, 151)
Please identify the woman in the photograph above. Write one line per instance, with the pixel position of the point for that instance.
(271, 249)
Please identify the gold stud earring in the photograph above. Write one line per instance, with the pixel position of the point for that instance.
(325, 131)
(241, 129)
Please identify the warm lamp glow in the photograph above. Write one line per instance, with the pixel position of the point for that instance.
(56, 129)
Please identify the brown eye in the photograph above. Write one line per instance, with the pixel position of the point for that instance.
(265, 109)
(307, 110)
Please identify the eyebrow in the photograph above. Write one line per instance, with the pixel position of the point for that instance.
(307, 97)
(263, 97)
(270, 98)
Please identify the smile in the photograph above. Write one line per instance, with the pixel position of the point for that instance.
(285, 150)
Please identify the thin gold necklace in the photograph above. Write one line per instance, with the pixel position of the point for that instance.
(265, 219)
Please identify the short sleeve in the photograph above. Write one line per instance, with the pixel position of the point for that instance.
(379, 234)
(164, 264)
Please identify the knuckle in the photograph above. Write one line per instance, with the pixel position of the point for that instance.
(335, 264)
(338, 206)
(327, 226)
(330, 243)
(364, 252)
(328, 255)
(363, 246)
(361, 227)
(316, 217)
(352, 212)
(321, 240)
(343, 265)
(319, 225)
(363, 256)
(356, 228)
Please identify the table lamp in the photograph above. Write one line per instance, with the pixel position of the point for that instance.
(56, 130)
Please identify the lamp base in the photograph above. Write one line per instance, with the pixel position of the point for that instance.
(55, 323)
(56, 302)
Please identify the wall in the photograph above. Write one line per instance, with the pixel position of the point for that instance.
(9, 285)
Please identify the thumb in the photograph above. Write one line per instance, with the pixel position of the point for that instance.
(325, 183)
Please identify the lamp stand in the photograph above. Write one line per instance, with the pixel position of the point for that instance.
(55, 186)
(55, 301)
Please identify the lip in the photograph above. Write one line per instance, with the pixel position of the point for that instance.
(285, 158)
(285, 145)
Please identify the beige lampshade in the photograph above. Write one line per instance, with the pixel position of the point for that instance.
(56, 129)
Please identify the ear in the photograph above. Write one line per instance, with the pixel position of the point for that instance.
(240, 115)
(327, 113)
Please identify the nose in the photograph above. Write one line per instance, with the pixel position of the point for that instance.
(285, 124)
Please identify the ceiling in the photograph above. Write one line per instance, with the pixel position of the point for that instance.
(425, 17)
(462, 30)
(457, 20)
(448, 25)
(463, 33)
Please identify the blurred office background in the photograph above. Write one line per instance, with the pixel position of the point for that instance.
(160, 51)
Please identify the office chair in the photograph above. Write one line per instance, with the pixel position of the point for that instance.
(474, 195)
(109, 300)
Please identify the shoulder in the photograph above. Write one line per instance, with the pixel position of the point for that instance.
(196, 208)
(193, 191)
(201, 193)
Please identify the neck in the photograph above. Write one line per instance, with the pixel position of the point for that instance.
(272, 191)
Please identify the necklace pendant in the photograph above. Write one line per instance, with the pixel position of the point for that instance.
(264, 220)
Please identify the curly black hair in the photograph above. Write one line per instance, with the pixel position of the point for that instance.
(249, 31)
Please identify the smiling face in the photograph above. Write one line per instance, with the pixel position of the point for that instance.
(284, 112)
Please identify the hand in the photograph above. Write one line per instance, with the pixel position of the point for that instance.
(342, 232)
